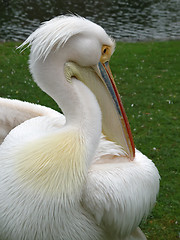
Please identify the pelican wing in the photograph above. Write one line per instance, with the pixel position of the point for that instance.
(15, 112)
(119, 193)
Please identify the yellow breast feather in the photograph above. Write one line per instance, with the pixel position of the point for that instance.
(55, 163)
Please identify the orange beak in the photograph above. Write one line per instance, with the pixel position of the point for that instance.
(123, 135)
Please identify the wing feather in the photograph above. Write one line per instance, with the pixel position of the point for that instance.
(15, 112)
(120, 192)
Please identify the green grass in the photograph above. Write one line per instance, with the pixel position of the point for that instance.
(148, 79)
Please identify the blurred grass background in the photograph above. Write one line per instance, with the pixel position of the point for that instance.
(148, 79)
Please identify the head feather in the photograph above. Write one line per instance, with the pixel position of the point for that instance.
(54, 34)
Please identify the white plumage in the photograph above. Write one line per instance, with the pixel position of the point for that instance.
(60, 177)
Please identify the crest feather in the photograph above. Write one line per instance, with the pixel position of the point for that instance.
(54, 33)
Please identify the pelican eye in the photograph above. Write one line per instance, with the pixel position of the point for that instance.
(105, 53)
(104, 49)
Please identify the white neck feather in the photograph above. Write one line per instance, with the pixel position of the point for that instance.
(77, 102)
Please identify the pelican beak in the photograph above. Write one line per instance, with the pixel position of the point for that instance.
(115, 123)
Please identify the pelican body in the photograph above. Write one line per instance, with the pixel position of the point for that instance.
(75, 176)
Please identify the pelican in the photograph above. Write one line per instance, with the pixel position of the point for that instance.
(75, 176)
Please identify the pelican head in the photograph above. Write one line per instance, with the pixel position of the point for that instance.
(70, 48)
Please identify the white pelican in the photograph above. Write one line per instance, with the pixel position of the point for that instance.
(60, 177)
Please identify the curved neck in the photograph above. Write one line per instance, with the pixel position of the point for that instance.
(77, 102)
